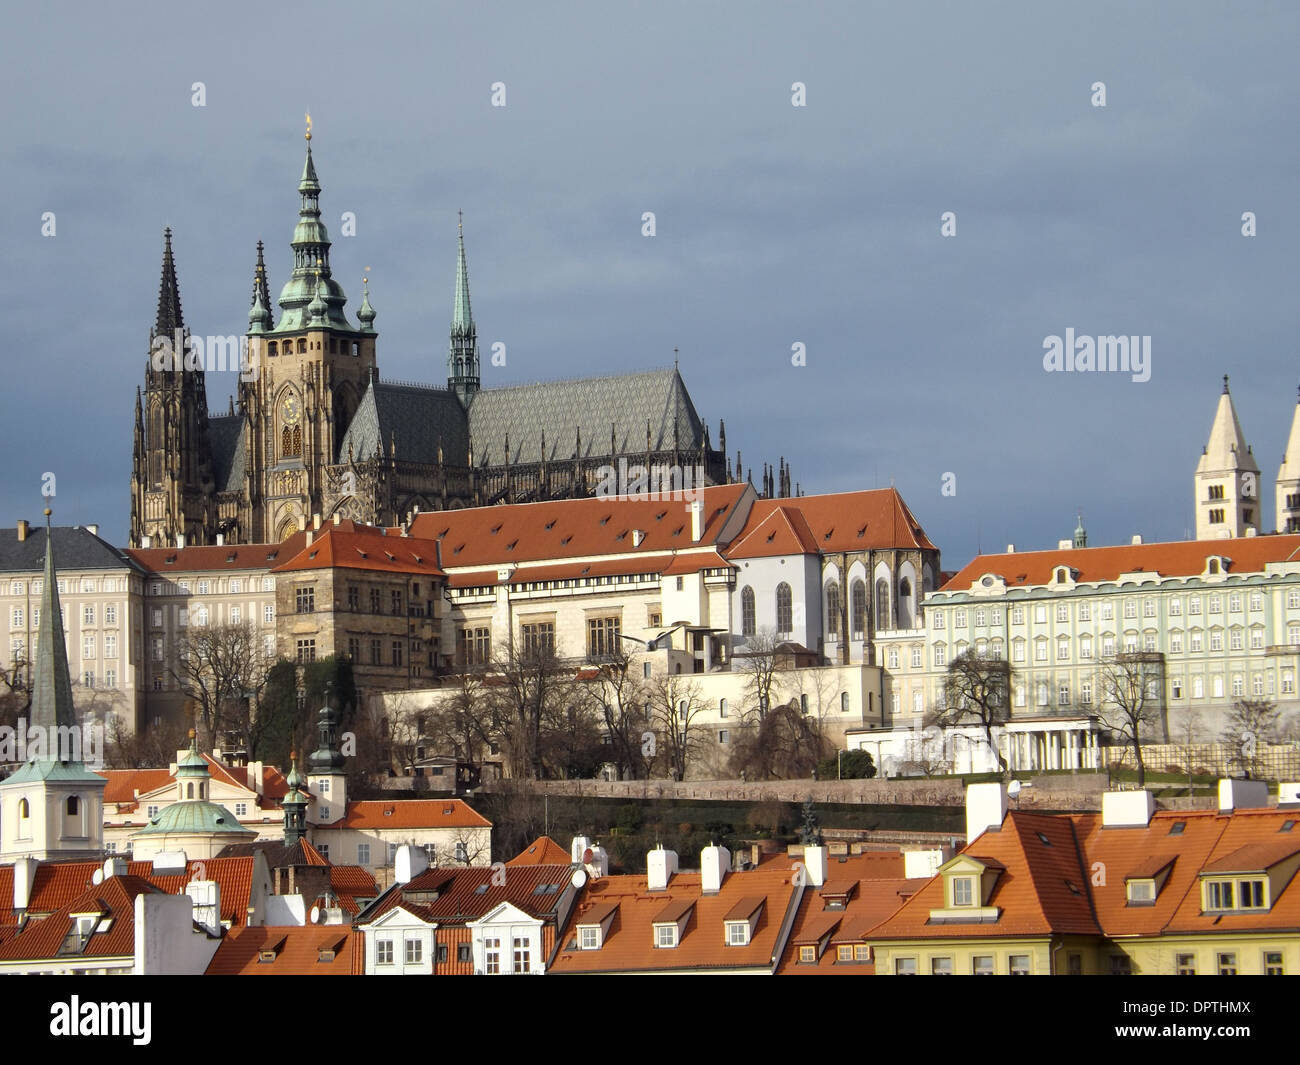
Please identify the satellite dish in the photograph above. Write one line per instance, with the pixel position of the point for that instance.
(1013, 789)
(579, 878)
(315, 915)
(97, 877)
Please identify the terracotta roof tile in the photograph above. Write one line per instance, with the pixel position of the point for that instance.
(542, 851)
(297, 951)
(410, 813)
(844, 521)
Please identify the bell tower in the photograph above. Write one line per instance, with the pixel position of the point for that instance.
(1227, 479)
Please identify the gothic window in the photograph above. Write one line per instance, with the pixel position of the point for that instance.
(747, 620)
(784, 610)
(833, 610)
(291, 441)
(858, 605)
(882, 604)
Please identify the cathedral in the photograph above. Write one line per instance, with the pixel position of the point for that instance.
(314, 431)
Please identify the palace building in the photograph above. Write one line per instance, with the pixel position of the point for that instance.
(314, 432)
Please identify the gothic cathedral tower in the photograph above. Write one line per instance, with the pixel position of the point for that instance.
(308, 373)
(1227, 479)
(462, 355)
(172, 481)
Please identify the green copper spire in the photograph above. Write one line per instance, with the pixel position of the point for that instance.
(261, 286)
(1080, 533)
(462, 355)
(366, 315)
(311, 255)
(52, 705)
(259, 316)
(295, 805)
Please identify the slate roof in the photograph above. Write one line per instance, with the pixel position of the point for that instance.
(75, 548)
(226, 442)
(560, 408)
(417, 416)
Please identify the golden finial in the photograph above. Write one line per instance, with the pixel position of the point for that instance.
(193, 734)
(48, 512)
(309, 127)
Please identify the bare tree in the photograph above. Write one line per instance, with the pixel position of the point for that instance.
(1131, 687)
(154, 748)
(977, 690)
(759, 662)
(223, 670)
(15, 695)
(786, 744)
(528, 683)
(926, 752)
(1250, 724)
(675, 707)
(1187, 741)
(620, 699)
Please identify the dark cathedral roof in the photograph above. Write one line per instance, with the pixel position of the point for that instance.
(75, 548)
(226, 439)
(560, 408)
(416, 416)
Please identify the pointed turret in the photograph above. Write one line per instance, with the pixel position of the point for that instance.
(52, 706)
(169, 293)
(366, 315)
(462, 353)
(1227, 478)
(295, 805)
(325, 775)
(262, 287)
(1080, 533)
(1288, 480)
(259, 315)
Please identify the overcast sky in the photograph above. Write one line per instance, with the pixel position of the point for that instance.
(776, 225)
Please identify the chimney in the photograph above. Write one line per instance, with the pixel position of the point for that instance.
(221, 539)
(638, 537)
(255, 777)
(814, 863)
(315, 521)
(715, 864)
(146, 541)
(24, 877)
(1288, 796)
(169, 861)
(337, 517)
(207, 904)
(180, 541)
(114, 867)
(1064, 545)
(1127, 809)
(924, 862)
(93, 530)
(1251, 530)
(1242, 795)
(986, 808)
(659, 868)
(1011, 549)
(596, 861)
(1137, 540)
(310, 534)
(410, 862)
(697, 520)
(22, 529)
(578, 847)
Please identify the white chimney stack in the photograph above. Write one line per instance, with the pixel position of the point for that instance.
(410, 862)
(1011, 549)
(1242, 795)
(221, 539)
(697, 520)
(93, 530)
(1127, 809)
(207, 904)
(24, 877)
(814, 862)
(146, 541)
(598, 864)
(1137, 539)
(986, 808)
(715, 864)
(578, 847)
(180, 541)
(114, 867)
(660, 865)
(1288, 795)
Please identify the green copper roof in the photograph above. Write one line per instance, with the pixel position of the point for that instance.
(311, 257)
(366, 315)
(52, 704)
(195, 816)
(44, 770)
(462, 319)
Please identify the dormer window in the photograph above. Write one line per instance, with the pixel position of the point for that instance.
(737, 933)
(1233, 895)
(665, 936)
(589, 937)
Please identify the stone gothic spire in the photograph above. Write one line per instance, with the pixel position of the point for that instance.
(260, 286)
(1288, 480)
(1227, 478)
(169, 293)
(462, 353)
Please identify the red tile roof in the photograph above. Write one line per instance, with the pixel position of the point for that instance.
(364, 548)
(410, 813)
(845, 521)
(114, 899)
(782, 531)
(1178, 559)
(542, 851)
(124, 784)
(456, 895)
(572, 528)
(164, 560)
(296, 951)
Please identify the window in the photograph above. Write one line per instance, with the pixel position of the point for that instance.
(902, 966)
(376, 652)
(241, 809)
(1238, 686)
(602, 636)
(157, 648)
(959, 619)
(589, 937)
(1040, 649)
(807, 954)
(832, 611)
(151, 812)
(374, 600)
(363, 854)
(892, 658)
(384, 952)
(539, 639)
(1017, 650)
(414, 951)
(1194, 605)
(88, 647)
(940, 966)
(110, 678)
(982, 965)
(748, 625)
(1198, 687)
(268, 613)
(1197, 640)
(1288, 682)
(940, 655)
(1185, 964)
(1176, 643)
(963, 891)
(1121, 965)
(236, 615)
(784, 609)
(305, 599)
(1017, 615)
(1074, 964)
(939, 620)
(1063, 649)
(1256, 601)
(1063, 694)
(306, 650)
(1019, 964)
(1085, 647)
(1085, 693)
(1256, 639)
(666, 936)
(916, 656)
(1216, 639)
(1107, 612)
(474, 646)
(1228, 964)
(397, 652)
(1063, 612)
(1273, 963)
(858, 609)
(737, 933)
(1234, 603)
(1235, 640)
(88, 615)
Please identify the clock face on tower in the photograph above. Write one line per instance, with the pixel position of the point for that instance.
(292, 409)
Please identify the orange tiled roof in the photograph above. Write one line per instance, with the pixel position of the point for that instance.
(1178, 559)
(542, 851)
(629, 942)
(366, 548)
(123, 784)
(783, 531)
(455, 895)
(573, 528)
(114, 898)
(844, 521)
(410, 813)
(164, 560)
(296, 952)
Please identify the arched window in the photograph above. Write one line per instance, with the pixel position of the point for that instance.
(201, 791)
(858, 605)
(784, 610)
(271, 348)
(833, 610)
(882, 604)
(189, 791)
(844, 702)
(747, 623)
(73, 806)
(24, 809)
(291, 441)
(302, 344)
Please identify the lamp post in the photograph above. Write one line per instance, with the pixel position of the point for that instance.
(839, 765)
